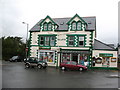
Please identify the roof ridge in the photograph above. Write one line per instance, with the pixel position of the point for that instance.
(104, 43)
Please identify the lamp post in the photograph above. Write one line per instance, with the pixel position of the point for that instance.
(26, 37)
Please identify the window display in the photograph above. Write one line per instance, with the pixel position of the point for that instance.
(47, 56)
(113, 59)
(65, 57)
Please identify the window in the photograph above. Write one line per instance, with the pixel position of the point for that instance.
(81, 41)
(74, 26)
(52, 41)
(71, 40)
(46, 41)
(47, 56)
(45, 26)
(41, 41)
(66, 57)
(79, 26)
(49, 26)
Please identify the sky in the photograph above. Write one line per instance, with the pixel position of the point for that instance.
(14, 12)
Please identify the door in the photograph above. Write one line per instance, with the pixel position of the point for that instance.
(75, 57)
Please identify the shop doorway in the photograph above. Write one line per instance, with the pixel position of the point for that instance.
(75, 57)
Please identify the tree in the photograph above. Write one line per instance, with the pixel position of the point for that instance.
(12, 46)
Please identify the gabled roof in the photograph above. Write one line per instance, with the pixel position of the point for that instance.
(62, 23)
(98, 45)
(74, 17)
(47, 17)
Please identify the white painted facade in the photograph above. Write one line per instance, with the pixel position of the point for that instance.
(96, 53)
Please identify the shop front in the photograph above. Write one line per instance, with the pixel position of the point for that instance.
(102, 59)
(78, 56)
(48, 56)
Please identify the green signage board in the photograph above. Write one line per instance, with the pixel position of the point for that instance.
(105, 55)
(44, 47)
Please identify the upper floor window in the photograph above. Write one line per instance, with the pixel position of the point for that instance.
(74, 26)
(71, 40)
(49, 26)
(47, 41)
(76, 40)
(52, 41)
(79, 26)
(45, 26)
(81, 41)
(41, 40)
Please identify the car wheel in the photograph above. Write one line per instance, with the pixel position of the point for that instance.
(27, 65)
(39, 66)
(81, 69)
(63, 68)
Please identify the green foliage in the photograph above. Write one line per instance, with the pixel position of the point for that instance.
(12, 46)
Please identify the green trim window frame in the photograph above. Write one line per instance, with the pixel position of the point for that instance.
(41, 41)
(80, 40)
(47, 26)
(79, 25)
(76, 26)
(71, 40)
(52, 41)
(47, 40)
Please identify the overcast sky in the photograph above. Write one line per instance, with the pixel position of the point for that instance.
(14, 12)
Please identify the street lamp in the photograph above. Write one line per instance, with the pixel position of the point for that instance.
(26, 36)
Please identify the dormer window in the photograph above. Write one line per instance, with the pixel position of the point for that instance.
(49, 26)
(79, 25)
(45, 26)
(74, 26)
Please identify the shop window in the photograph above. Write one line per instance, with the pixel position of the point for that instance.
(98, 61)
(41, 41)
(47, 56)
(74, 26)
(79, 26)
(65, 57)
(113, 59)
(81, 41)
(71, 40)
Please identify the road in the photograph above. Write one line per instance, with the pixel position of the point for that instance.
(15, 75)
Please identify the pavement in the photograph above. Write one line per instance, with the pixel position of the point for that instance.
(15, 75)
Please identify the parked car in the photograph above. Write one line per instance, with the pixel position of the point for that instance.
(16, 59)
(34, 62)
(72, 65)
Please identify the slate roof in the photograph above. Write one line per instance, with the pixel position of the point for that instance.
(98, 45)
(61, 22)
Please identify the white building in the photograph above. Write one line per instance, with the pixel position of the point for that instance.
(57, 39)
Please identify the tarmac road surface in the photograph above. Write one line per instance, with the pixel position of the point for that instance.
(15, 75)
